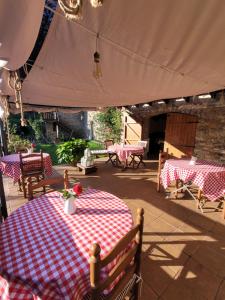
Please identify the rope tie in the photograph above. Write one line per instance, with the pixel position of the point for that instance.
(5, 106)
(73, 8)
(15, 84)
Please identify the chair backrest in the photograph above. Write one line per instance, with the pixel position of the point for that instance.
(20, 149)
(163, 156)
(129, 249)
(108, 143)
(33, 162)
(142, 143)
(47, 182)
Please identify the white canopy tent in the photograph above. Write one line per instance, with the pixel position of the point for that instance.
(19, 25)
(148, 50)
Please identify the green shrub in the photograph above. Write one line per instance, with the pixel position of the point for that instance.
(95, 145)
(72, 151)
(16, 143)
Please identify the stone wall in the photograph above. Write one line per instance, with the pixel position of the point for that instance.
(210, 133)
(67, 126)
(50, 133)
(75, 123)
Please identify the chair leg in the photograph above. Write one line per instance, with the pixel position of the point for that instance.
(224, 208)
(24, 187)
(135, 292)
(140, 157)
(20, 185)
(118, 162)
(110, 159)
(158, 184)
(132, 160)
(141, 160)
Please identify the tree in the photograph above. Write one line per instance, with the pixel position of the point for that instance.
(109, 124)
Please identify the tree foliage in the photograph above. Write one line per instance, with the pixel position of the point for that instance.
(34, 129)
(109, 124)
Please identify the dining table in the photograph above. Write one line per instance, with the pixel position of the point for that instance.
(44, 252)
(209, 176)
(10, 165)
(125, 151)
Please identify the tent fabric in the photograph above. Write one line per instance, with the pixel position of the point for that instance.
(45, 108)
(20, 21)
(148, 49)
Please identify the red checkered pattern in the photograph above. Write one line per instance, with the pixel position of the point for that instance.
(10, 165)
(208, 176)
(45, 252)
(125, 151)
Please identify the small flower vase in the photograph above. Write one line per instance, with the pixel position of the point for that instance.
(69, 205)
(193, 161)
(29, 151)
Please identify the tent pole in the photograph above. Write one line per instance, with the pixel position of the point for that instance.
(2, 199)
(3, 140)
(3, 146)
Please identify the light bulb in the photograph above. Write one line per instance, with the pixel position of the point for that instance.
(205, 96)
(97, 73)
(96, 3)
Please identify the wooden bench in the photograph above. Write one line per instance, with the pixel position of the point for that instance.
(86, 170)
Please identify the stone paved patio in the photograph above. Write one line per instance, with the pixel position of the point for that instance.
(183, 250)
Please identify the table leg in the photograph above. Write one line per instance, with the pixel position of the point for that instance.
(124, 165)
(185, 187)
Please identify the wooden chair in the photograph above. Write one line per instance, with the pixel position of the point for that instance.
(163, 156)
(202, 199)
(20, 149)
(31, 166)
(113, 157)
(128, 266)
(137, 159)
(47, 182)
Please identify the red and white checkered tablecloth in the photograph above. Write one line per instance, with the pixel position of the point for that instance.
(125, 151)
(208, 176)
(10, 165)
(44, 252)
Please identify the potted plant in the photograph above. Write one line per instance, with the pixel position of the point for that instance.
(69, 197)
(31, 148)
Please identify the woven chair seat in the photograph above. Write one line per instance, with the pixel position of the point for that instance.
(135, 279)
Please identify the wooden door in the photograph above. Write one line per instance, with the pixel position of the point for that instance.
(132, 130)
(180, 134)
